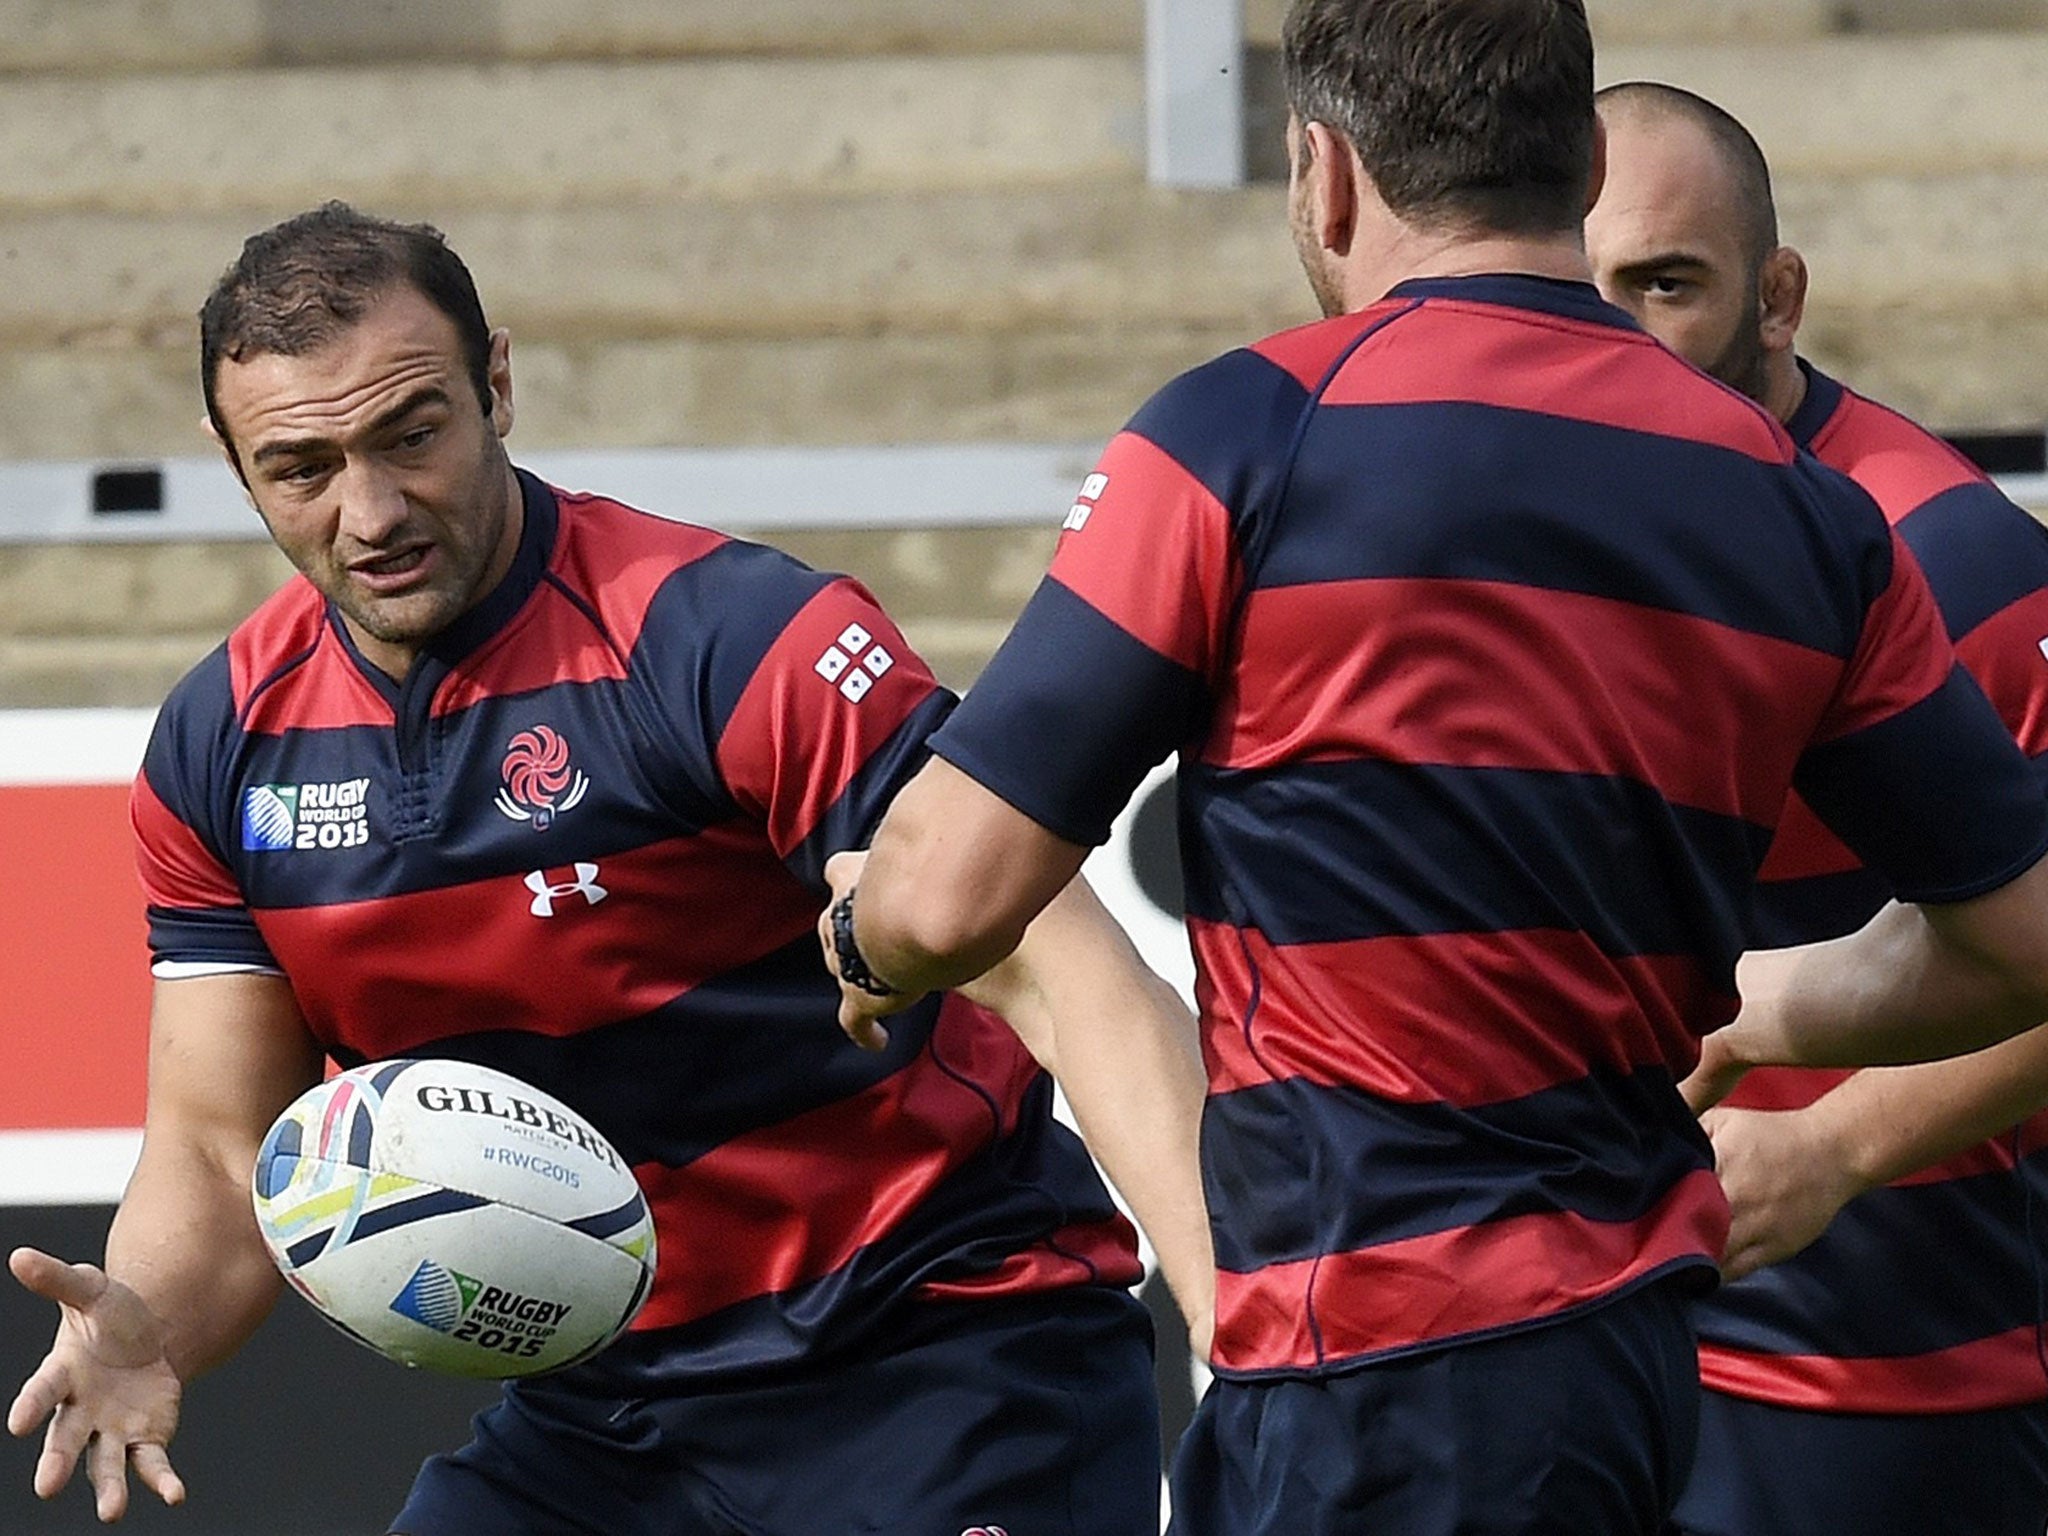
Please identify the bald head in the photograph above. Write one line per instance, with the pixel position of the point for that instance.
(1685, 237)
(1746, 174)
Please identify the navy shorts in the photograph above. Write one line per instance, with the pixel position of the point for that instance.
(1032, 1416)
(1582, 1427)
(1763, 1470)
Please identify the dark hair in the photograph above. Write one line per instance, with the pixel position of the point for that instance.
(300, 284)
(1736, 145)
(1475, 112)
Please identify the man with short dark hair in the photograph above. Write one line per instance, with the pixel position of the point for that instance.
(1883, 1375)
(1491, 637)
(891, 1293)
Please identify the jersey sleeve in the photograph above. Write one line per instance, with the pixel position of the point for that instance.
(830, 721)
(1116, 660)
(1913, 768)
(198, 920)
(1986, 561)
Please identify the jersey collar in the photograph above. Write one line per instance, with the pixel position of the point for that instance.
(1518, 290)
(536, 547)
(1823, 399)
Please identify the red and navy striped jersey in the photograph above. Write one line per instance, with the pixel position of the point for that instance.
(1925, 1296)
(1491, 637)
(583, 843)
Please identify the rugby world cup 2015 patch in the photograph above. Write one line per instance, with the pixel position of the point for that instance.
(280, 817)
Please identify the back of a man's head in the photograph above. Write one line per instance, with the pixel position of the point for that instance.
(1474, 113)
(299, 284)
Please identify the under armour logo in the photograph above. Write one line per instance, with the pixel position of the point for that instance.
(838, 664)
(545, 895)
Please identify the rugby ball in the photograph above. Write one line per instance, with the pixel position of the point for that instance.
(455, 1218)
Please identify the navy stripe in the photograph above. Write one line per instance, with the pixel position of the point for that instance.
(208, 935)
(850, 821)
(382, 1079)
(1230, 423)
(1025, 731)
(1025, 1187)
(697, 638)
(667, 789)
(1323, 852)
(615, 1220)
(307, 1249)
(1981, 553)
(623, 1077)
(1484, 493)
(1901, 1271)
(403, 1213)
(1295, 1169)
(1816, 907)
(1976, 802)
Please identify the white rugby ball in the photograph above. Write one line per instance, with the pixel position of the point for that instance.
(455, 1218)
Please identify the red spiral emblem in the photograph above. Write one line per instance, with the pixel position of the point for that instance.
(536, 767)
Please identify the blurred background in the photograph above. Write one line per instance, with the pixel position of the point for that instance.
(872, 279)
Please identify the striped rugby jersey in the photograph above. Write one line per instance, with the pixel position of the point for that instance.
(583, 843)
(1491, 637)
(1925, 1296)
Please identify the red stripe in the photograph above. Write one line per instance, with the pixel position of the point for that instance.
(1901, 465)
(1307, 351)
(325, 692)
(1803, 846)
(433, 963)
(2004, 654)
(1487, 354)
(1903, 655)
(1496, 675)
(176, 868)
(1459, 1018)
(1103, 1252)
(1997, 1372)
(811, 1192)
(799, 736)
(1155, 554)
(615, 559)
(1449, 1284)
(74, 967)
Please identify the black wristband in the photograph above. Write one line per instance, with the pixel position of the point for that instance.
(853, 966)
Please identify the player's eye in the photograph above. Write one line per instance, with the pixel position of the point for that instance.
(1664, 286)
(418, 437)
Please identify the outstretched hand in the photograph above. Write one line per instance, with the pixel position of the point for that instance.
(106, 1387)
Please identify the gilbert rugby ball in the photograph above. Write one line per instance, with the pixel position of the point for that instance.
(454, 1218)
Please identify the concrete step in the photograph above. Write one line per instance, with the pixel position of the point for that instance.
(1062, 384)
(1765, 22)
(956, 262)
(1853, 106)
(955, 591)
(511, 135)
(1127, 257)
(93, 35)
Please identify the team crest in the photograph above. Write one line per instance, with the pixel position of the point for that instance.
(539, 782)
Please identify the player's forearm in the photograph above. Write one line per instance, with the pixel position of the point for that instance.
(1122, 1046)
(1914, 985)
(952, 881)
(1888, 1122)
(185, 1240)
